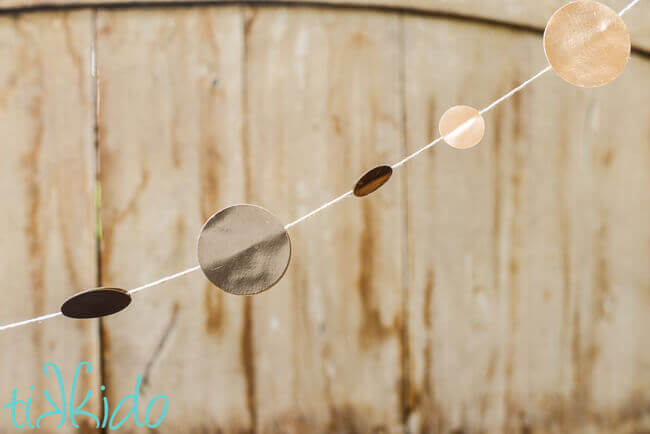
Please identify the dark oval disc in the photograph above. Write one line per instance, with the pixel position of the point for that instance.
(96, 302)
(372, 180)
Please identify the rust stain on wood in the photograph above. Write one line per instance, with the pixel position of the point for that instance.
(249, 20)
(498, 198)
(514, 290)
(431, 121)
(372, 330)
(602, 283)
(67, 246)
(337, 124)
(213, 299)
(428, 299)
(519, 128)
(86, 427)
(584, 357)
(74, 54)
(344, 419)
(35, 238)
(426, 399)
(608, 157)
(112, 220)
(248, 360)
(209, 167)
(210, 164)
(175, 138)
(292, 421)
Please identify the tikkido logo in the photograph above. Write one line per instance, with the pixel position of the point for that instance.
(67, 407)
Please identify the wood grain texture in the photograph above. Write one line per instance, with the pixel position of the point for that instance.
(47, 187)
(519, 298)
(502, 289)
(533, 14)
(170, 138)
(279, 359)
(323, 106)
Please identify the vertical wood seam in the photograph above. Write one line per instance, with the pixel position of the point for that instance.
(405, 383)
(97, 204)
(248, 336)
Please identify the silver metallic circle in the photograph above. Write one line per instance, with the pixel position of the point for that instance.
(244, 249)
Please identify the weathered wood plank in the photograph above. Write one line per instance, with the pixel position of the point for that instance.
(171, 154)
(323, 106)
(528, 256)
(612, 355)
(456, 312)
(47, 188)
(520, 315)
(529, 13)
(312, 127)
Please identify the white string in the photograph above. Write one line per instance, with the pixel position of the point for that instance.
(515, 90)
(29, 321)
(319, 209)
(468, 122)
(164, 279)
(326, 205)
(628, 7)
(498, 101)
(416, 153)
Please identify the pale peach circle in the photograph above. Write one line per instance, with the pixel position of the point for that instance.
(587, 43)
(462, 127)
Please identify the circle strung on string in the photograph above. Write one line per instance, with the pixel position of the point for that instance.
(372, 180)
(587, 43)
(96, 303)
(244, 249)
(462, 127)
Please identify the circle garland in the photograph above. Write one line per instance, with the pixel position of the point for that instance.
(245, 250)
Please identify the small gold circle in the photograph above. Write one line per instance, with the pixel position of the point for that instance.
(462, 127)
(587, 43)
(244, 249)
(372, 180)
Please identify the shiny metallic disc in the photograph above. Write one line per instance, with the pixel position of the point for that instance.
(244, 249)
(96, 302)
(372, 180)
(587, 43)
(462, 127)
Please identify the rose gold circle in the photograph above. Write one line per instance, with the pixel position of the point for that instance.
(587, 43)
(462, 127)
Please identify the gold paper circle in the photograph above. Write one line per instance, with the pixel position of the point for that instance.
(462, 127)
(372, 180)
(244, 249)
(587, 43)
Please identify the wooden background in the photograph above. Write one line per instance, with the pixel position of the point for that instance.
(500, 289)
